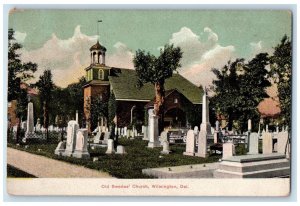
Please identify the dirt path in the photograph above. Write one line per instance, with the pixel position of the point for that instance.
(40, 166)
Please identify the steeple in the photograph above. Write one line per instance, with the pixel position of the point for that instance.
(98, 51)
(98, 54)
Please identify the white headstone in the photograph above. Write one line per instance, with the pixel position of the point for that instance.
(205, 125)
(205, 128)
(282, 141)
(97, 138)
(30, 124)
(249, 125)
(190, 143)
(163, 137)
(217, 125)
(228, 150)
(146, 137)
(253, 143)
(153, 130)
(24, 125)
(76, 118)
(196, 130)
(106, 137)
(120, 149)
(166, 148)
(71, 137)
(50, 128)
(202, 144)
(81, 144)
(125, 132)
(60, 148)
(110, 146)
(267, 143)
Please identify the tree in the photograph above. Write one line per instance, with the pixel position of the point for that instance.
(98, 108)
(253, 84)
(281, 72)
(156, 70)
(18, 71)
(239, 88)
(45, 86)
(226, 91)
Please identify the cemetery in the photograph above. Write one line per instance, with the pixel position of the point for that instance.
(132, 155)
(152, 122)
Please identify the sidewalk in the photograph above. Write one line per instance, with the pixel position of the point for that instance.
(44, 167)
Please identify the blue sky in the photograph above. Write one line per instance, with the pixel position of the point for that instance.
(60, 39)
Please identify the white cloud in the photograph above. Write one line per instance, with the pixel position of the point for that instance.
(67, 58)
(121, 57)
(20, 37)
(201, 54)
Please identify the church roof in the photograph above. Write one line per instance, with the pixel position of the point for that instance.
(97, 46)
(124, 85)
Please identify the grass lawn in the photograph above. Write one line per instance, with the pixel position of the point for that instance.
(15, 172)
(127, 166)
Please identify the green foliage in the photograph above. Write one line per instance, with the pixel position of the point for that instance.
(67, 100)
(45, 86)
(98, 108)
(281, 72)
(18, 71)
(156, 69)
(112, 108)
(239, 88)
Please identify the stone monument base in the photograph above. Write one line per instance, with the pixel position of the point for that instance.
(254, 166)
(184, 171)
(153, 144)
(189, 153)
(81, 154)
(60, 148)
(201, 155)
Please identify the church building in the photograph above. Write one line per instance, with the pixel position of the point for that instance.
(133, 102)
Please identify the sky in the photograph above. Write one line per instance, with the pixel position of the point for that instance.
(60, 39)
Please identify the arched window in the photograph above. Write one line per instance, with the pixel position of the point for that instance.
(101, 74)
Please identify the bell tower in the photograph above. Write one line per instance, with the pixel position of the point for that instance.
(97, 85)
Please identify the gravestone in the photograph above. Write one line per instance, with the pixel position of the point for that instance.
(110, 147)
(97, 138)
(190, 143)
(153, 130)
(106, 137)
(163, 137)
(120, 149)
(125, 131)
(228, 150)
(71, 137)
(205, 128)
(81, 144)
(267, 143)
(135, 133)
(50, 128)
(166, 148)
(253, 143)
(24, 125)
(146, 137)
(30, 124)
(60, 149)
(282, 141)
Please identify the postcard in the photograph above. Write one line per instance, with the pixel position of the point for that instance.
(149, 102)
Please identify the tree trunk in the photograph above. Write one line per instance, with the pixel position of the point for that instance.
(159, 103)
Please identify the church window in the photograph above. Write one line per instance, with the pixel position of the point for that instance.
(101, 74)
